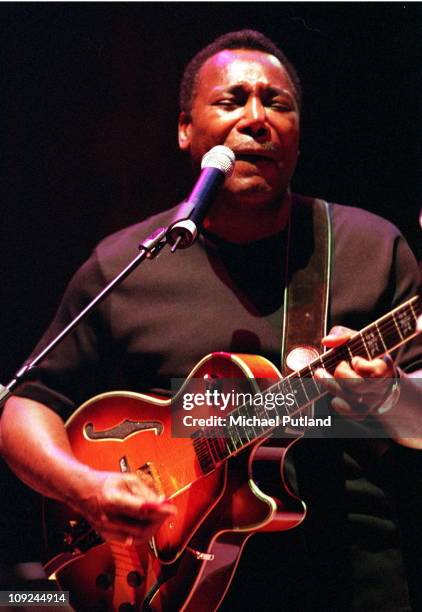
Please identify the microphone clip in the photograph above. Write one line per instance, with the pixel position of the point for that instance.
(181, 234)
(153, 244)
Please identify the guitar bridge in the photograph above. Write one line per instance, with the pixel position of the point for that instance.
(148, 474)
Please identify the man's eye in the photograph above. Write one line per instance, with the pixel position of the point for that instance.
(284, 107)
(226, 102)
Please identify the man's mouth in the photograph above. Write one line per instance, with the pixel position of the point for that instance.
(254, 158)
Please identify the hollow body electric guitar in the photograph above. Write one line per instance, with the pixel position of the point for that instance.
(215, 477)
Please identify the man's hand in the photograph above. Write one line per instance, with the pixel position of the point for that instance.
(36, 446)
(120, 507)
(359, 386)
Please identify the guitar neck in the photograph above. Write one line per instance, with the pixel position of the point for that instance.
(214, 445)
(386, 334)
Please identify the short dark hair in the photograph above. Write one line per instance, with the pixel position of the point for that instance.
(242, 39)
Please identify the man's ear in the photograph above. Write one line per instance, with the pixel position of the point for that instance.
(185, 131)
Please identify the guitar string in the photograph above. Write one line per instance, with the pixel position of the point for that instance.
(356, 346)
(357, 343)
(387, 326)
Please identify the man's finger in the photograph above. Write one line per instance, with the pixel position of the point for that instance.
(357, 413)
(329, 382)
(376, 368)
(337, 336)
(143, 525)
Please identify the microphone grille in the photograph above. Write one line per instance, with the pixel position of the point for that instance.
(219, 157)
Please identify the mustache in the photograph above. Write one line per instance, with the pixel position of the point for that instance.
(253, 148)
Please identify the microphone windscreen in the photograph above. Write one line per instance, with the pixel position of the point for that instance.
(219, 157)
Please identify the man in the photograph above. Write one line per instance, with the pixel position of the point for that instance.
(226, 293)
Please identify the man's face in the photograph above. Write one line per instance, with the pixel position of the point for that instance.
(245, 100)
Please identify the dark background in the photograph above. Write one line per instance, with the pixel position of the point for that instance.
(88, 136)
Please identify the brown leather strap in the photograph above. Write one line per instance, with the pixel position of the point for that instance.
(308, 264)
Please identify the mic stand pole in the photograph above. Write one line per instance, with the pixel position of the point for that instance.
(148, 249)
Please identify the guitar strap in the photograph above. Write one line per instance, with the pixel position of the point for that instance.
(307, 282)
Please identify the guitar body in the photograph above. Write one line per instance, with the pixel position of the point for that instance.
(192, 558)
(224, 491)
(220, 539)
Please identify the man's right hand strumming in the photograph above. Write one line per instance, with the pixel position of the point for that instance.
(119, 506)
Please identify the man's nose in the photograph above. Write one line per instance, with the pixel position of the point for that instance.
(254, 120)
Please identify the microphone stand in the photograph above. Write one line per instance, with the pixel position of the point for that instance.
(180, 234)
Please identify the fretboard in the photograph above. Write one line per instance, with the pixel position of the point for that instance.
(213, 445)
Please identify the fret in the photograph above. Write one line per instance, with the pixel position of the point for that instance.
(248, 435)
(322, 361)
(405, 322)
(214, 444)
(221, 443)
(258, 409)
(254, 410)
(397, 326)
(210, 441)
(380, 335)
(275, 388)
(372, 343)
(364, 344)
(281, 388)
(261, 412)
(234, 436)
(413, 311)
(216, 448)
(291, 392)
(298, 390)
(329, 361)
(224, 443)
(310, 387)
(390, 333)
(241, 429)
(248, 432)
(202, 451)
(209, 444)
(230, 442)
(314, 390)
(302, 383)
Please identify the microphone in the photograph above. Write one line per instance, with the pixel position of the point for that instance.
(216, 165)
